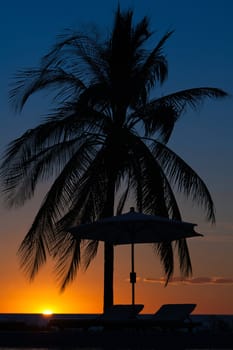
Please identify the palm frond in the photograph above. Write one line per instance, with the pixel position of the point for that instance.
(41, 236)
(170, 199)
(90, 252)
(123, 199)
(184, 178)
(184, 258)
(88, 196)
(20, 179)
(86, 206)
(77, 53)
(147, 179)
(68, 261)
(32, 250)
(191, 97)
(161, 114)
(155, 67)
(165, 252)
(33, 80)
(141, 33)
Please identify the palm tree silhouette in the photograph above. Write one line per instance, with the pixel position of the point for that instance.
(105, 141)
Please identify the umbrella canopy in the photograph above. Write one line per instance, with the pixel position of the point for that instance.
(132, 228)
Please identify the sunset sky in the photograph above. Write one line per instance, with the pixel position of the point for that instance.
(200, 53)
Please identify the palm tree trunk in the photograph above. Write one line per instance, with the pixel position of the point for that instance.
(108, 248)
(108, 275)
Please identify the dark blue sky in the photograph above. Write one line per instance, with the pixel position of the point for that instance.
(200, 53)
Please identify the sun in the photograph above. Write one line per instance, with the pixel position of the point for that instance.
(47, 312)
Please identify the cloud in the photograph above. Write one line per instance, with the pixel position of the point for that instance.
(192, 281)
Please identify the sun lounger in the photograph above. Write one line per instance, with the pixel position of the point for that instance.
(122, 312)
(116, 316)
(172, 316)
(174, 312)
(168, 317)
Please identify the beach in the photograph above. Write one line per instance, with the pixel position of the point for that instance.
(18, 334)
(115, 340)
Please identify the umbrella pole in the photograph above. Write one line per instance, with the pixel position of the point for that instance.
(132, 274)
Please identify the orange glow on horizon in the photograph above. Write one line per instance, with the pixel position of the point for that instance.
(85, 294)
(47, 312)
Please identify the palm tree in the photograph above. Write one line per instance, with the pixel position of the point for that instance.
(105, 141)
